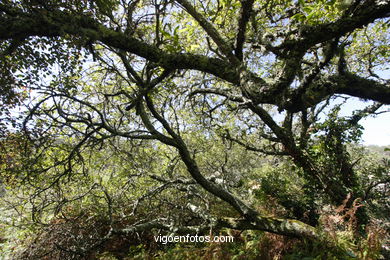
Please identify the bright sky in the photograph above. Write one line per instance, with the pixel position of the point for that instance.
(376, 128)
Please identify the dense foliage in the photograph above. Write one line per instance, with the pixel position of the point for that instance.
(147, 117)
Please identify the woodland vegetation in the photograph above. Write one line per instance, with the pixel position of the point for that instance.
(125, 119)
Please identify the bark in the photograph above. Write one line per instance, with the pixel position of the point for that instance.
(18, 24)
(288, 227)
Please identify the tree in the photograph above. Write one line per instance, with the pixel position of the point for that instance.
(174, 77)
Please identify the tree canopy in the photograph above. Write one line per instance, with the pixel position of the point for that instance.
(190, 116)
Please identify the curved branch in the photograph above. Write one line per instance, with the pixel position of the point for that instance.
(346, 83)
(55, 23)
(60, 23)
(366, 13)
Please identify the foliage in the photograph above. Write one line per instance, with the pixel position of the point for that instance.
(165, 117)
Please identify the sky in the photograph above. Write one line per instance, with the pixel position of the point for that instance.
(376, 128)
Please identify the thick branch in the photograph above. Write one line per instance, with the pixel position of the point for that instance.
(356, 86)
(43, 23)
(346, 83)
(288, 227)
(245, 13)
(365, 14)
(59, 23)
